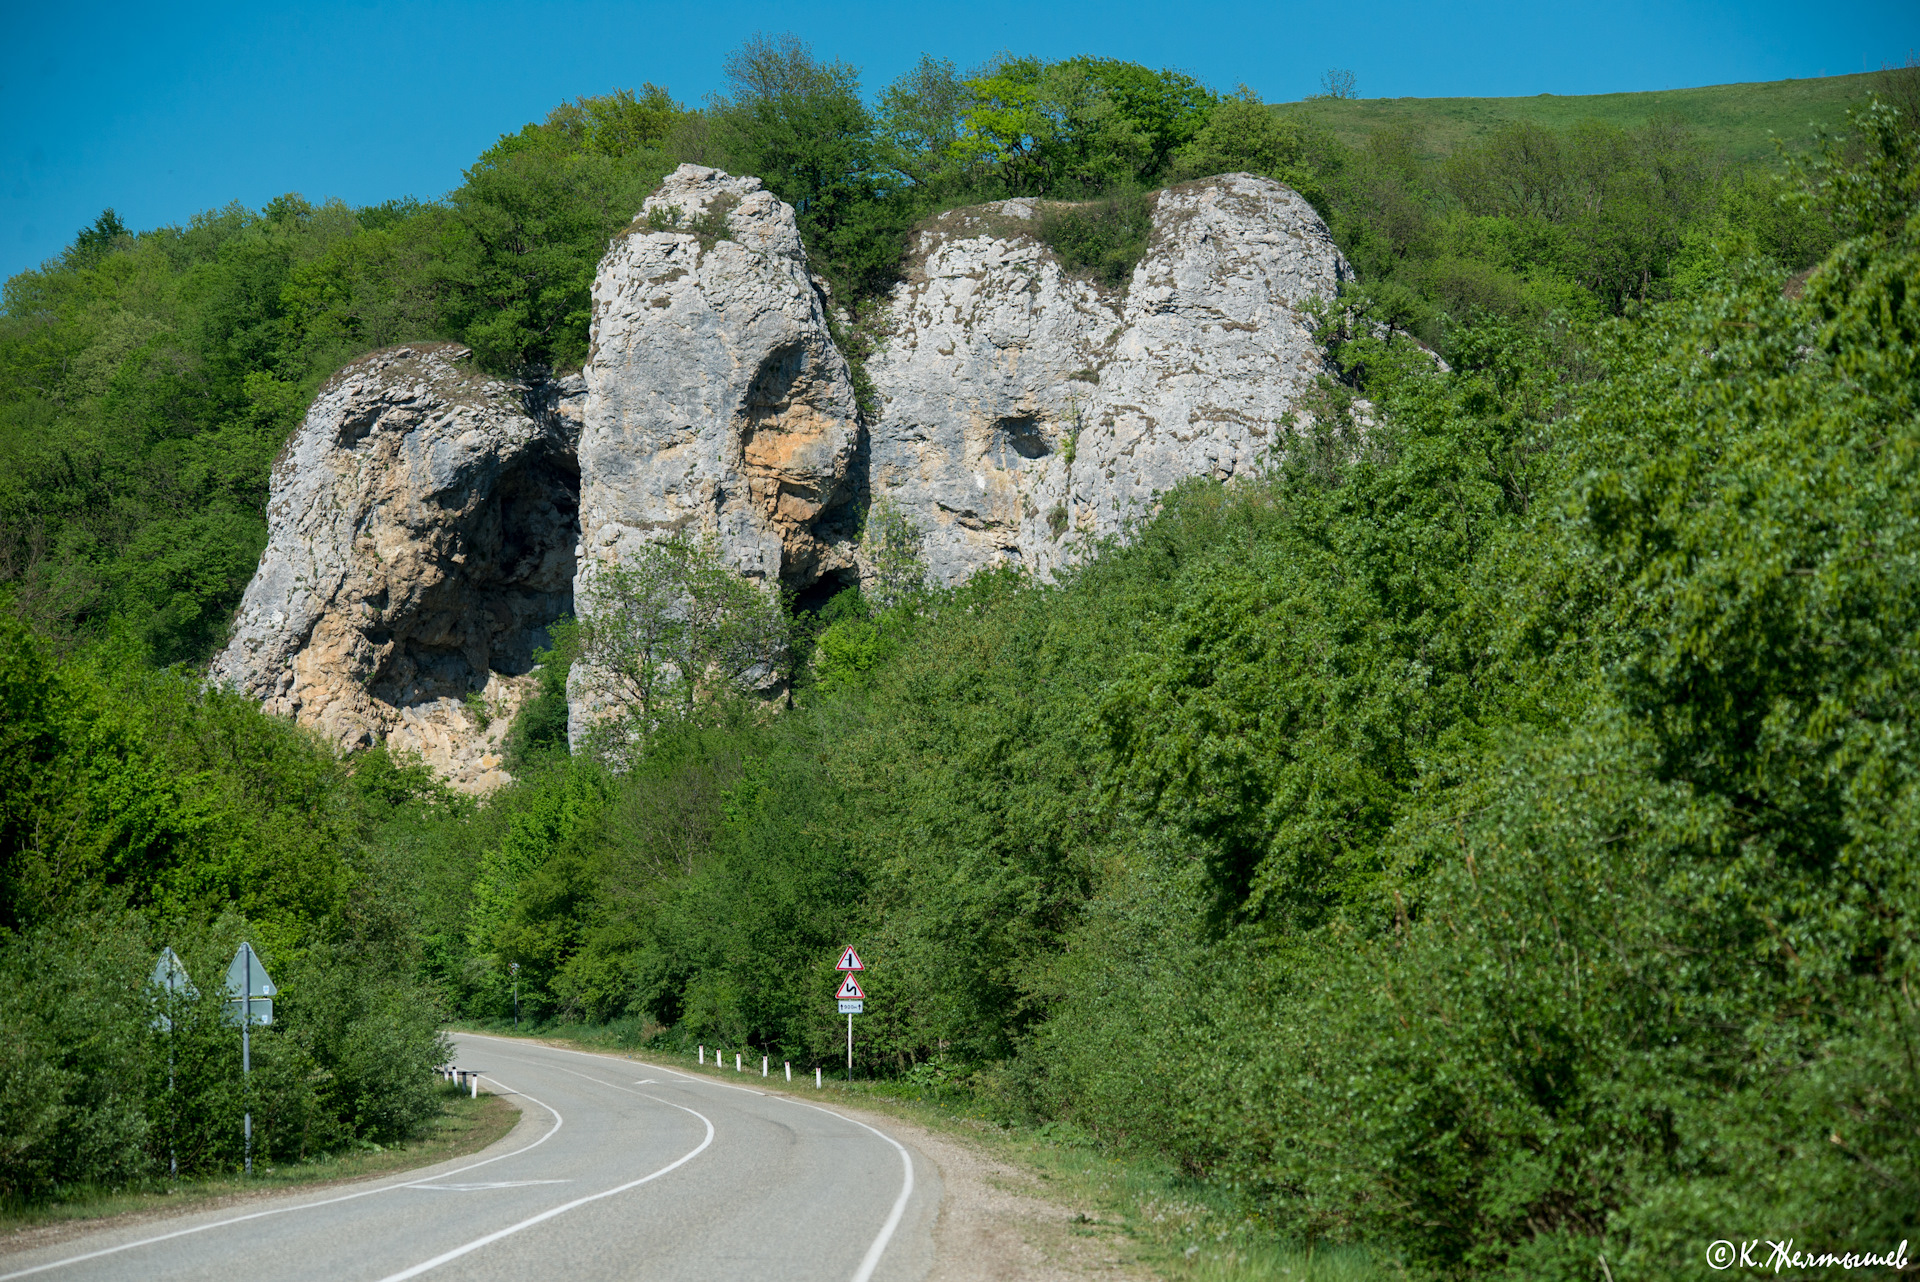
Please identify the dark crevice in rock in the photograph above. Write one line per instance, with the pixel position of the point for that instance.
(511, 577)
(1023, 435)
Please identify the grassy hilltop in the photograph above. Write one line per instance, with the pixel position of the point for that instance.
(1739, 121)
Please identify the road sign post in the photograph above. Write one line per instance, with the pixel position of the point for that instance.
(852, 1000)
(246, 977)
(170, 977)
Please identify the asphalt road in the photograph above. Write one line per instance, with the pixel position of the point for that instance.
(618, 1169)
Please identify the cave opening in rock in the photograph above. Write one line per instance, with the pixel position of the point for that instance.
(816, 598)
(1022, 433)
(504, 577)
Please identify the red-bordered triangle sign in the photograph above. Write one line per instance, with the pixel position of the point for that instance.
(849, 960)
(850, 990)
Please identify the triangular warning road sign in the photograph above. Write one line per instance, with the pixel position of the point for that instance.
(246, 974)
(849, 960)
(849, 990)
(168, 973)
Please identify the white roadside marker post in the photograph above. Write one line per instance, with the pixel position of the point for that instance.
(703, 1054)
(816, 1077)
(789, 1064)
(473, 1080)
(763, 1066)
(736, 1062)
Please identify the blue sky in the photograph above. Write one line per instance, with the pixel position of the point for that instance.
(161, 111)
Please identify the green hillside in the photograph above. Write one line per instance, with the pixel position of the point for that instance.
(1739, 121)
(1479, 842)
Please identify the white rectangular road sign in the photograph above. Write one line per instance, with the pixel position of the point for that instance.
(262, 1011)
(853, 1008)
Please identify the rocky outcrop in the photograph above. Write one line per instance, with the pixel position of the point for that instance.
(1024, 411)
(716, 398)
(421, 535)
(426, 522)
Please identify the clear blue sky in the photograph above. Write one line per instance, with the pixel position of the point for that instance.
(161, 111)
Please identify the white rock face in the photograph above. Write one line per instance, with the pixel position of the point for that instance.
(1024, 411)
(421, 527)
(716, 399)
(426, 523)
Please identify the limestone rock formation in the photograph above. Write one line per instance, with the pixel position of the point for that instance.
(421, 533)
(426, 522)
(1023, 411)
(716, 399)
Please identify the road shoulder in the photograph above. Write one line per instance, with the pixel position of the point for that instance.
(496, 1122)
(998, 1221)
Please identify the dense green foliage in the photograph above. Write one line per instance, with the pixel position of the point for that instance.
(143, 811)
(1488, 835)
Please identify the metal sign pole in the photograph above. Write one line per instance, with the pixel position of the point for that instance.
(241, 994)
(246, 1053)
(170, 981)
(850, 997)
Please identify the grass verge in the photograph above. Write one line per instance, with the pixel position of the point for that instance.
(464, 1126)
(1175, 1226)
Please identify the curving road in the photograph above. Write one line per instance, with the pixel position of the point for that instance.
(617, 1169)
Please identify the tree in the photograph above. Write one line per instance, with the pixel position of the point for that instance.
(668, 630)
(1337, 82)
(798, 124)
(920, 121)
(92, 242)
(1242, 135)
(1079, 126)
(890, 543)
(620, 123)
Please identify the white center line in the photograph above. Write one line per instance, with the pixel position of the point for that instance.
(458, 1251)
(871, 1260)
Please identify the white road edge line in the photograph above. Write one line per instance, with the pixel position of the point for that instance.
(623, 1059)
(871, 1260)
(529, 1222)
(558, 1122)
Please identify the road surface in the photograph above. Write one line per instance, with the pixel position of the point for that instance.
(618, 1169)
